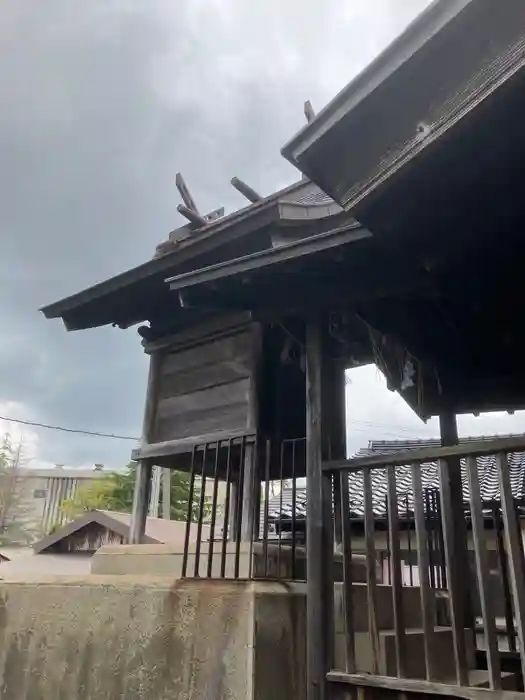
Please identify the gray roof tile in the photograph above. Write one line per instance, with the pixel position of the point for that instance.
(488, 477)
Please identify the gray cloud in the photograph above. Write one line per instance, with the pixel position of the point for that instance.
(102, 102)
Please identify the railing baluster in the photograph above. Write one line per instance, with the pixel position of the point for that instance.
(504, 568)
(209, 570)
(280, 512)
(482, 566)
(226, 522)
(388, 552)
(256, 519)
(454, 584)
(513, 547)
(427, 597)
(239, 513)
(441, 540)
(409, 541)
(397, 580)
(428, 528)
(202, 501)
(371, 563)
(189, 515)
(294, 506)
(267, 462)
(348, 603)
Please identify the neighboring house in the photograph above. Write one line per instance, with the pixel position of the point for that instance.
(489, 482)
(281, 513)
(69, 550)
(41, 492)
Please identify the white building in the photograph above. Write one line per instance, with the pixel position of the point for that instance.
(40, 493)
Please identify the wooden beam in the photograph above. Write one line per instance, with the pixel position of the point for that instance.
(449, 436)
(420, 687)
(350, 233)
(140, 502)
(483, 570)
(250, 485)
(185, 193)
(514, 552)
(142, 489)
(397, 580)
(425, 592)
(430, 454)
(334, 431)
(319, 532)
(246, 190)
(193, 216)
(309, 111)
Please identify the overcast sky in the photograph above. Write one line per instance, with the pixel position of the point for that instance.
(101, 103)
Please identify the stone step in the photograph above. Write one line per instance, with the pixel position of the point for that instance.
(415, 654)
(412, 616)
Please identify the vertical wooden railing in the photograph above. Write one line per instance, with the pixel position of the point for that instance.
(429, 466)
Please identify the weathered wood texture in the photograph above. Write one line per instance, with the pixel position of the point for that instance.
(418, 688)
(204, 388)
(319, 538)
(249, 515)
(140, 502)
(87, 540)
(483, 575)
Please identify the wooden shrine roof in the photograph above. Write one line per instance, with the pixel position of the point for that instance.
(138, 294)
(456, 55)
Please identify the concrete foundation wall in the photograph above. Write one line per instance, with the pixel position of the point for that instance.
(151, 638)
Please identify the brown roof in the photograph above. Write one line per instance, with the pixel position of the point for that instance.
(158, 531)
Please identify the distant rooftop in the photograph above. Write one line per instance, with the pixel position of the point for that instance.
(489, 481)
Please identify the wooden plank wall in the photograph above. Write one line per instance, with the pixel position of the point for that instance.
(204, 387)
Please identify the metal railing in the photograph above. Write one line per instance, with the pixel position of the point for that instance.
(458, 525)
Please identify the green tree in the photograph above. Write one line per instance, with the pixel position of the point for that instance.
(13, 526)
(115, 492)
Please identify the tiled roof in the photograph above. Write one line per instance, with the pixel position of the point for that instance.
(316, 196)
(488, 478)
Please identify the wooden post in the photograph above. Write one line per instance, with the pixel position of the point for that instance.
(334, 432)
(250, 491)
(140, 502)
(144, 468)
(449, 436)
(319, 529)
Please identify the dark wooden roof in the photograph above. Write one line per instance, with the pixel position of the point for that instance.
(454, 56)
(275, 261)
(140, 294)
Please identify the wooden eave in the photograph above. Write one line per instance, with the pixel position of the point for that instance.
(455, 56)
(272, 258)
(458, 321)
(134, 295)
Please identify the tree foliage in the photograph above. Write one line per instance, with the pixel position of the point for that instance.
(115, 492)
(13, 525)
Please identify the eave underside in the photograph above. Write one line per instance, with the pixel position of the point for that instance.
(140, 294)
(449, 310)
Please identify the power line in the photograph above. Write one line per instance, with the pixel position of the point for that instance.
(33, 424)
(113, 436)
(390, 426)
